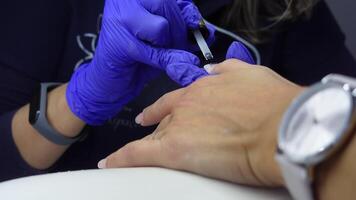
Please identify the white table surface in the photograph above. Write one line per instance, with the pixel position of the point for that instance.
(130, 184)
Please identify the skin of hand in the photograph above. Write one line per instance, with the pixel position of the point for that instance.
(223, 126)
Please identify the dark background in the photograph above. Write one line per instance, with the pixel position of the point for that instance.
(345, 13)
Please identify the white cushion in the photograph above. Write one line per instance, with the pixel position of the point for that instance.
(130, 184)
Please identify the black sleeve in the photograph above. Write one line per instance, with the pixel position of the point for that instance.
(314, 48)
(32, 36)
(12, 165)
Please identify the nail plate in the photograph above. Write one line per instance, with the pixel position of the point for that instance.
(209, 68)
(102, 164)
(139, 118)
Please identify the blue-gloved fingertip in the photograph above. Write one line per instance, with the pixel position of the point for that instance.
(190, 13)
(239, 51)
(161, 58)
(185, 74)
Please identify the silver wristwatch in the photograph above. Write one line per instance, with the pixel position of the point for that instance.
(317, 124)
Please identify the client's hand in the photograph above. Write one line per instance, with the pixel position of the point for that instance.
(222, 126)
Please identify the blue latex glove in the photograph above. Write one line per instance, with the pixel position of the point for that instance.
(192, 18)
(163, 23)
(238, 51)
(129, 54)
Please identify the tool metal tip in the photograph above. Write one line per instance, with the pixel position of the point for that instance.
(202, 23)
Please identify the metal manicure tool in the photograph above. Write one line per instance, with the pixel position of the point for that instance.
(204, 48)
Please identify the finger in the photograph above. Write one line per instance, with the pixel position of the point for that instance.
(159, 132)
(165, 57)
(190, 13)
(148, 137)
(162, 125)
(193, 18)
(140, 153)
(148, 27)
(228, 66)
(161, 108)
(239, 51)
(170, 11)
(161, 58)
(185, 74)
(181, 66)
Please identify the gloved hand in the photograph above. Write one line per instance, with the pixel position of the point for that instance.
(129, 54)
(239, 51)
(192, 18)
(236, 51)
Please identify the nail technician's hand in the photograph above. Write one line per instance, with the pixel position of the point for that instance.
(137, 41)
(236, 51)
(192, 18)
(222, 126)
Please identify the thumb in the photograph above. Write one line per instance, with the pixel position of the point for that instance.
(185, 74)
(193, 19)
(156, 112)
(139, 153)
(169, 10)
(190, 13)
(238, 51)
(181, 66)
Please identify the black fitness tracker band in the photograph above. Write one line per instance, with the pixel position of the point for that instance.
(38, 116)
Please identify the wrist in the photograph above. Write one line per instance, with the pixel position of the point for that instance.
(335, 177)
(292, 92)
(269, 172)
(60, 117)
(316, 142)
(96, 94)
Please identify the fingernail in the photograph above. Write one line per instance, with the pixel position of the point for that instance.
(209, 68)
(102, 164)
(139, 118)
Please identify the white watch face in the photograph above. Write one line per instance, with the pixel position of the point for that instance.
(318, 124)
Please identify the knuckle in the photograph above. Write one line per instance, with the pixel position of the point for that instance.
(165, 97)
(264, 70)
(124, 18)
(166, 120)
(189, 99)
(163, 101)
(175, 152)
(229, 62)
(160, 26)
(130, 151)
(176, 119)
(111, 161)
(205, 81)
